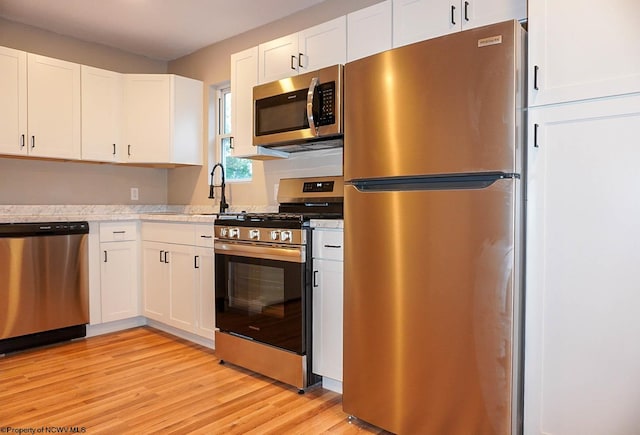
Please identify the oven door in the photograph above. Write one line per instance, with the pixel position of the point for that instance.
(259, 293)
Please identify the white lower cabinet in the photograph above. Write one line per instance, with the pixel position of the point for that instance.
(327, 303)
(178, 276)
(119, 288)
(583, 293)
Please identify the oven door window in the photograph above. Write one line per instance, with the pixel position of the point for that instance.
(260, 299)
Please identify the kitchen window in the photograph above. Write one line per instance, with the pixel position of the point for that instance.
(235, 169)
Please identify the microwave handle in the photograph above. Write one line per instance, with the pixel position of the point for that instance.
(312, 90)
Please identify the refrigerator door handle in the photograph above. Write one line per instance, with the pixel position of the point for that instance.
(432, 182)
(310, 94)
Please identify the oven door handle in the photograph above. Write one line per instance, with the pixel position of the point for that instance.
(294, 254)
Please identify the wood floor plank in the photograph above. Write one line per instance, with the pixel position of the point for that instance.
(143, 381)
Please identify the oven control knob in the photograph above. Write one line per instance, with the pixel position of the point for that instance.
(285, 236)
(234, 233)
(254, 234)
(275, 235)
(224, 232)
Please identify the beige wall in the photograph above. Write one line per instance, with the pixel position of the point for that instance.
(48, 182)
(212, 65)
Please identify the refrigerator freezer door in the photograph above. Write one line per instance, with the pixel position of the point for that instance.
(443, 106)
(430, 301)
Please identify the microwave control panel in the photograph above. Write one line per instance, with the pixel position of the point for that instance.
(326, 104)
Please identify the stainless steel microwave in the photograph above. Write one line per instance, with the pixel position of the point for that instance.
(299, 113)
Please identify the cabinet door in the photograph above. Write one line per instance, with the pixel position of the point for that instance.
(53, 107)
(182, 298)
(582, 324)
(579, 51)
(205, 293)
(186, 142)
(323, 45)
(102, 101)
(417, 20)
(369, 31)
(155, 283)
(278, 59)
(477, 13)
(147, 117)
(244, 76)
(327, 318)
(13, 101)
(118, 280)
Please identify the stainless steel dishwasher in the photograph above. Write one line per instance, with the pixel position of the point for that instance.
(44, 283)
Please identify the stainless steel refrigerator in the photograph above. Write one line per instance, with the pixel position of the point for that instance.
(433, 154)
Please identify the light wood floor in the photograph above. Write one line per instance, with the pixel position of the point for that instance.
(144, 381)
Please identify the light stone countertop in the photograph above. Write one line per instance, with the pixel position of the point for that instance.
(337, 224)
(97, 213)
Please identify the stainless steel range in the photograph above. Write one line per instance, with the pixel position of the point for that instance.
(263, 281)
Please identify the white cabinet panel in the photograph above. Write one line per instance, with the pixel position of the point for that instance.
(179, 276)
(53, 106)
(417, 20)
(163, 119)
(13, 101)
(323, 45)
(582, 324)
(579, 51)
(308, 50)
(102, 101)
(327, 302)
(278, 58)
(119, 279)
(369, 31)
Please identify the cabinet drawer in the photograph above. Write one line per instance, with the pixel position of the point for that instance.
(168, 232)
(204, 235)
(328, 244)
(118, 231)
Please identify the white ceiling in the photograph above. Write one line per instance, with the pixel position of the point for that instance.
(159, 29)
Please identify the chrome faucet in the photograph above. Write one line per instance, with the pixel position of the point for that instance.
(223, 199)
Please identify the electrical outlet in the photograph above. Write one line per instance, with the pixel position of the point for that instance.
(134, 194)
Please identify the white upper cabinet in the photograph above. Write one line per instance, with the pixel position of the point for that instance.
(244, 76)
(53, 107)
(163, 119)
(369, 31)
(579, 51)
(417, 20)
(314, 48)
(102, 101)
(322, 45)
(13, 101)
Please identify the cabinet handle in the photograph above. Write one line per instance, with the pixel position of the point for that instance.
(119, 232)
(292, 59)
(105, 256)
(129, 150)
(206, 237)
(466, 11)
(535, 77)
(535, 135)
(165, 257)
(196, 263)
(333, 246)
(114, 149)
(33, 142)
(300, 60)
(453, 18)
(22, 141)
(231, 142)
(161, 253)
(315, 278)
